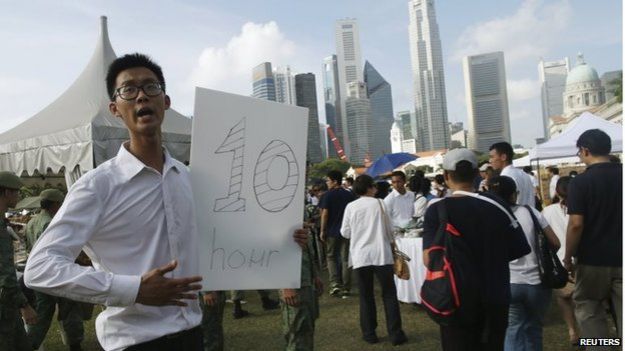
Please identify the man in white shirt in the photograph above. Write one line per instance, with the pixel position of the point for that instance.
(501, 155)
(134, 217)
(400, 202)
(555, 175)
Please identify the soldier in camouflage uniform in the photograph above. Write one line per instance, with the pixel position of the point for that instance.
(12, 300)
(212, 304)
(69, 313)
(300, 307)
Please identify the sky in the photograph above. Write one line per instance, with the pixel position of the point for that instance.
(215, 44)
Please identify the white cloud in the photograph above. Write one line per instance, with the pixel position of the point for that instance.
(527, 34)
(229, 68)
(523, 89)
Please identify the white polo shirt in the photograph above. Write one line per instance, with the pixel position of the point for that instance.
(400, 207)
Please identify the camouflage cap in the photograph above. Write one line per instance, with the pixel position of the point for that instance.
(53, 195)
(10, 181)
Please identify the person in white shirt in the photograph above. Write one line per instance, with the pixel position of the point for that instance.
(133, 215)
(558, 219)
(529, 300)
(421, 187)
(367, 227)
(555, 175)
(400, 202)
(501, 155)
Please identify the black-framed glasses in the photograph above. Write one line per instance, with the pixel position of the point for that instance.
(130, 92)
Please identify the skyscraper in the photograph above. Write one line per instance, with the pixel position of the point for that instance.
(487, 100)
(285, 85)
(380, 97)
(428, 76)
(331, 96)
(263, 83)
(306, 96)
(552, 77)
(358, 116)
(349, 63)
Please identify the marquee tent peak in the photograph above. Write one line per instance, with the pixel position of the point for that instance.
(77, 128)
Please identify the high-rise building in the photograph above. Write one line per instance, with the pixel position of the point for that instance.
(285, 85)
(263, 83)
(349, 63)
(306, 96)
(406, 124)
(552, 75)
(428, 77)
(380, 97)
(323, 136)
(358, 116)
(609, 82)
(487, 100)
(332, 99)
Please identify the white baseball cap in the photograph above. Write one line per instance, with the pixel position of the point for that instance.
(456, 155)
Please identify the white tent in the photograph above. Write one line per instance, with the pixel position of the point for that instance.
(525, 161)
(563, 145)
(76, 132)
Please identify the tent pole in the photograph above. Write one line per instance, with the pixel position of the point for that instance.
(540, 182)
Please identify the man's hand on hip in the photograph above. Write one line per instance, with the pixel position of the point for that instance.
(157, 290)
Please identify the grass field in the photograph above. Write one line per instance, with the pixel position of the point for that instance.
(336, 329)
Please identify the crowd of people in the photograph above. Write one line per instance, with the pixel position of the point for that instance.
(129, 217)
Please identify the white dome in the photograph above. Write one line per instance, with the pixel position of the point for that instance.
(581, 73)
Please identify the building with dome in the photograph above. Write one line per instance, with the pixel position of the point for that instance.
(584, 91)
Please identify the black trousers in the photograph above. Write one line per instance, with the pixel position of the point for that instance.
(488, 335)
(368, 317)
(188, 340)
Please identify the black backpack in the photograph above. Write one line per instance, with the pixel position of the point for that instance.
(451, 290)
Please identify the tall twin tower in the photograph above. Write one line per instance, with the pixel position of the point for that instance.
(431, 129)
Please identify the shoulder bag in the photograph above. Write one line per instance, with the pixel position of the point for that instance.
(400, 259)
(552, 273)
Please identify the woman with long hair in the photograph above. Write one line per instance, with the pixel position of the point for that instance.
(529, 300)
(558, 219)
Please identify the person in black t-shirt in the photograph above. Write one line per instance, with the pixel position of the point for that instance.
(332, 206)
(594, 235)
(495, 239)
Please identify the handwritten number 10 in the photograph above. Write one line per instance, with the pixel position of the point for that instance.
(270, 198)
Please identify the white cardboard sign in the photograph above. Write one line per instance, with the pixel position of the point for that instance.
(248, 164)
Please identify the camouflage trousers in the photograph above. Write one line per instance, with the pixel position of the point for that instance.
(69, 315)
(12, 333)
(298, 323)
(212, 323)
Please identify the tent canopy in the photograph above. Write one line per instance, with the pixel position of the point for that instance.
(563, 145)
(77, 129)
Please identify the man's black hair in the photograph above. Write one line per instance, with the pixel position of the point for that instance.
(502, 186)
(131, 61)
(46, 204)
(464, 173)
(503, 148)
(362, 184)
(335, 175)
(596, 141)
(419, 185)
(349, 180)
(419, 173)
(562, 188)
(554, 170)
(400, 174)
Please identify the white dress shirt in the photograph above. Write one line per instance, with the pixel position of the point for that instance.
(558, 220)
(552, 185)
(400, 207)
(129, 219)
(364, 224)
(525, 190)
